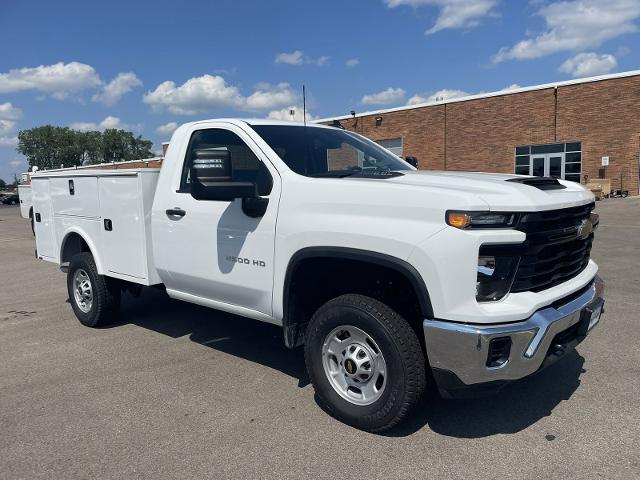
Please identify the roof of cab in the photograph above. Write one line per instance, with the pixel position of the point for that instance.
(258, 121)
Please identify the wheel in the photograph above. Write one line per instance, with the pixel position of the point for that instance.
(94, 298)
(365, 362)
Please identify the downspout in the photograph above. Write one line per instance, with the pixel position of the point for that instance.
(555, 114)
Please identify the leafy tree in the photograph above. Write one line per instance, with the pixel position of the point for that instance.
(2, 183)
(50, 146)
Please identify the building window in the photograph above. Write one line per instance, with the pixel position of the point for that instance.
(394, 145)
(557, 160)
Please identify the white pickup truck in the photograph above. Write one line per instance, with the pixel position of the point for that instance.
(391, 278)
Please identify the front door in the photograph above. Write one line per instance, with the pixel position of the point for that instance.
(547, 165)
(213, 250)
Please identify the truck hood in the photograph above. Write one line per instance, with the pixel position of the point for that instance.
(498, 191)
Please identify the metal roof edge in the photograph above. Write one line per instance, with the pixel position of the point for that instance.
(498, 93)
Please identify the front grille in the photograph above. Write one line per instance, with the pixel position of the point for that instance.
(552, 252)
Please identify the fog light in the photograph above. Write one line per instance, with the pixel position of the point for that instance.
(499, 350)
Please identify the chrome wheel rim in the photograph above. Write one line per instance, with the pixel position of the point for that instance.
(82, 290)
(354, 365)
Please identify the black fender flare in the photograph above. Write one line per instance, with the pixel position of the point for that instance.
(393, 263)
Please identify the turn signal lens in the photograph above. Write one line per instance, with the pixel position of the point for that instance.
(480, 219)
(458, 219)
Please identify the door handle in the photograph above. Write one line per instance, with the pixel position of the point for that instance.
(176, 212)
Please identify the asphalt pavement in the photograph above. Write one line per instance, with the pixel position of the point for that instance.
(180, 391)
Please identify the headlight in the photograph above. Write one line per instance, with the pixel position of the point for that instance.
(495, 276)
(465, 220)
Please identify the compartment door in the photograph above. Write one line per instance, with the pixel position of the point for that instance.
(75, 196)
(43, 223)
(122, 226)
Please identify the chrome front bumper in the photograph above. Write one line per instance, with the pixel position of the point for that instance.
(461, 350)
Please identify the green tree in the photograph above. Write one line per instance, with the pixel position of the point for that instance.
(50, 146)
(2, 183)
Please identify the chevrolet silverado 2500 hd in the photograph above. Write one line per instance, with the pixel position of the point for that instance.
(390, 277)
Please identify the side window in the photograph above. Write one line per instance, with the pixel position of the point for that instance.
(246, 166)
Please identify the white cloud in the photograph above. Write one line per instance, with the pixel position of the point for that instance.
(576, 25)
(167, 128)
(59, 80)
(15, 163)
(386, 97)
(293, 58)
(267, 97)
(198, 94)
(352, 62)
(206, 93)
(513, 86)
(589, 64)
(9, 112)
(8, 116)
(108, 122)
(439, 96)
(285, 114)
(453, 13)
(7, 127)
(297, 57)
(8, 141)
(112, 92)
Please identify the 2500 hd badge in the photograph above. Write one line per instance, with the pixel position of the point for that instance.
(246, 261)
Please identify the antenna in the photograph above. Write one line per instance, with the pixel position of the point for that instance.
(304, 106)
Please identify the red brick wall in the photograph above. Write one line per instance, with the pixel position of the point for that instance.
(421, 130)
(482, 134)
(605, 116)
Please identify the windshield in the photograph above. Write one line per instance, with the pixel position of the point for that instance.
(329, 152)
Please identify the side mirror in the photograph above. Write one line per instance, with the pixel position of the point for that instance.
(413, 161)
(212, 177)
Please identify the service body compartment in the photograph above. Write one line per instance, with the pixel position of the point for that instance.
(75, 196)
(123, 232)
(43, 224)
(110, 209)
(24, 193)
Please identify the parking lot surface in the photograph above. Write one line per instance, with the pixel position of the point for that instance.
(179, 391)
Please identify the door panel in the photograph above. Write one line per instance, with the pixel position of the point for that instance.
(555, 166)
(215, 250)
(124, 242)
(538, 166)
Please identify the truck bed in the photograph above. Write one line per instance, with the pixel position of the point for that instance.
(109, 209)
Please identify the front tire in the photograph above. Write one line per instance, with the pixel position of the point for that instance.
(365, 362)
(94, 298)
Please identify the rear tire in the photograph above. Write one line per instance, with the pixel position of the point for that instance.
(365, 362)
(95, 299)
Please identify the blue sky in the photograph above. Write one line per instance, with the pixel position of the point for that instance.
(148, 66)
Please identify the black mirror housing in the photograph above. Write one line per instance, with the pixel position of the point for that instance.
(413, 161)
(223, 191)
(212, 177)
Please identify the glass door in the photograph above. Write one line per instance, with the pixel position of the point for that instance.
(555, 162)
(547, 165)
(538, 165)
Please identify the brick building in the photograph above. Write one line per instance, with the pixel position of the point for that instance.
(562, 130)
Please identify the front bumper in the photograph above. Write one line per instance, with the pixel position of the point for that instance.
(459, 353)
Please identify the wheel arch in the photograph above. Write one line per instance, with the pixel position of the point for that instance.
(75, 241)
(293, 327)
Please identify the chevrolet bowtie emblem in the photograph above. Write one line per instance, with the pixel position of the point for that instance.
(585, 227)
